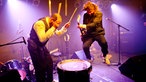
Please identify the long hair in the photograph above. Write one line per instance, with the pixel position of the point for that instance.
(90, 5)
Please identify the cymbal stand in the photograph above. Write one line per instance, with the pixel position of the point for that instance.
(66, 39)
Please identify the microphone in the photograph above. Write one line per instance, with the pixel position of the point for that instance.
(24, 40)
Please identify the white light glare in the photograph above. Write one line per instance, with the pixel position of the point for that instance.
(113, 6)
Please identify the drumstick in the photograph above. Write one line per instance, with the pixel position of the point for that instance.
(59, 8)
(50, 12)
(65, 7)
(72, 15)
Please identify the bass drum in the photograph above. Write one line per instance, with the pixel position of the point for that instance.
(74, 70)
(15, 64)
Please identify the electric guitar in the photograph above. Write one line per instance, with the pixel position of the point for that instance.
(82, 30)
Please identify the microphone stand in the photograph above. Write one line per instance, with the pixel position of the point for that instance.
(119, 51)
(15, 43)
(11, 43)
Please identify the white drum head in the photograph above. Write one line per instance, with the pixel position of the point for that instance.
(73, 65)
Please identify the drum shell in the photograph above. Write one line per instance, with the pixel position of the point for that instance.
(74, 76)
(13, 64)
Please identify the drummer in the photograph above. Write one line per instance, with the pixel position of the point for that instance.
(42, 30)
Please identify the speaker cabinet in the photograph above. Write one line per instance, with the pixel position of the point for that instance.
(134, 68)
(79, 55)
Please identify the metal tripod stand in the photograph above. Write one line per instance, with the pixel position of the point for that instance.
(119, 42)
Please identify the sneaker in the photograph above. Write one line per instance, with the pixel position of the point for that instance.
(107, 59)
(55, 80)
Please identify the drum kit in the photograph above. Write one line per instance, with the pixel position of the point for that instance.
(24, 68)
(69, 70)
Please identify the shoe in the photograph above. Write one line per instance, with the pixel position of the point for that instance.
(55, 81)
(107, 59)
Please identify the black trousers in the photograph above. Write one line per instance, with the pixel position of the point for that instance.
(87, 42)
(42, 61)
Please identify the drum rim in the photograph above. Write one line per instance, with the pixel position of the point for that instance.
(67, 60)
(12, 60)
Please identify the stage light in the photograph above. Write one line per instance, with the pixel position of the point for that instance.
(113, 6)
(36, 2)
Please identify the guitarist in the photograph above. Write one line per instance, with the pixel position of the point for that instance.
(93, 31)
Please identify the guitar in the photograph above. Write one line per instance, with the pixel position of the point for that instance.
(82, 30)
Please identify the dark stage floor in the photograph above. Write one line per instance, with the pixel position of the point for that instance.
(100, 71)
(104, 73)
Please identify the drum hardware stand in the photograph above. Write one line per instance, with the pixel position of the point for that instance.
(66, 39)
(119, 47)
(58, 56)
